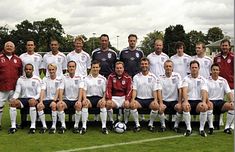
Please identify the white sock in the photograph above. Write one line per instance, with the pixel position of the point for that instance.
(153, 116)
(54, 118)
(230, 117)
(84, 117)
(1, 112)
(178, 118)
(13, 114)
(103, 117)
(135, 115)
(42, 118)
(61, 116)
(187, 119)
(162, 119)
(110, 114)
(33, 116)
(126, 115)
(210, 118)
(221, 120)
(77, 118)
(203, 117)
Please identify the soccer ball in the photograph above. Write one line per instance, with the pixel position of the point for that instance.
(120, 127)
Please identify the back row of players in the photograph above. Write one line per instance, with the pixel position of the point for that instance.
(156, 86)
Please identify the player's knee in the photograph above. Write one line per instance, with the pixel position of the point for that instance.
(186, 107)
(228, 106)
(32, 102)
(78, 106)
(154, 106)
(133, 105)
(40, 107)
(178, 107)
(126, 105)
(202, 107)
(109, 104)
(210, 105)
(85, 103)
(15, 103)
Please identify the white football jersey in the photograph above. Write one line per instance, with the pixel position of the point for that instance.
(51, 86)
(35, 59)
(181, 64)
(217, 88)
(170, 86)
(71, 87)
(145, 85)
(28, 87)
(95, 86)
(195, 86)
(205, 65)
(83, 61)
(157, 63)
(59, 59)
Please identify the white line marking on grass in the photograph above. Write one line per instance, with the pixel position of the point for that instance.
(127, 143)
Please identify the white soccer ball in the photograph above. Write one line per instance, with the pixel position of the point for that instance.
(120, 127)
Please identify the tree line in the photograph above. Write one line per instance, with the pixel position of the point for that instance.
(42, 32)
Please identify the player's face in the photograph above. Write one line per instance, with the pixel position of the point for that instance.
(9, 47)
(78, 45)
(30, 46)
(180, 51)
(132, 42)
(168, 66)
(215, 71)
(54, 46)
(71, 68)
(52, 70)
(95, 69)
(158, 45)
(225, 47)
(104, 41)
(119, 69)
(194, 69)
(28, 71)
(144, 66)
(199, 49)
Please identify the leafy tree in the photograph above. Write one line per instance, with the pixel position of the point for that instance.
(4, 36)
(214, 34)
(147, 45)
(172, 35)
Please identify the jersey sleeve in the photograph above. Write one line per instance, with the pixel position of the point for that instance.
(129, 89)
(18, 89)
(108, 93)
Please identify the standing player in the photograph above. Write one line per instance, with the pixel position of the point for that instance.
(217, 87)
(31, 57)
(195, 98)
(72, 93)
(94, 96)
(118, 92)
(27, 93)
(146, 94)
(10, 71)
(172, 92)
(157, 58)
(55, 57)
(131, 56)
(49, 97)
(106, 56)
(181, 60)
(82, 58)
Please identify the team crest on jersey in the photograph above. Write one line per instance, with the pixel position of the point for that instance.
(206, 62)
(33, 83)
(59, 59)
(220, 84)
(15, 61)
(229, 61)
(198, 83)
(219, 60)
(123, 82)
(185, 60)
(109, 55)
(137, 54)
(56, 84)
(174, 80)
(3, 60)
(76, 82)
(114, 80)
(35, 59)
(83, 57)
(99, 82)
(149, 80)
(162, 59)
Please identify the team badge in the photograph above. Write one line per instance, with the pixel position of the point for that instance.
(229, 61)
(99, 82)
(123, 82)
(219, 60)
(198, 83)
(83, 58)
(185, 60)
(35, 59)
(174, 80)
(137, 54)
(149, 80)
(3, 60)
(33, 83)
(114, 80)
(109, 55)
(15, 61)
(76, 82)
(206, 62)
(220, 85)
(56, 84)
(162, 59)
(59, 59)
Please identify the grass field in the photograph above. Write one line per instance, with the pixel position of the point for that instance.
(95, 141)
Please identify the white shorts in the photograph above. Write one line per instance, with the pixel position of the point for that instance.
(118, 100)
(5, 96)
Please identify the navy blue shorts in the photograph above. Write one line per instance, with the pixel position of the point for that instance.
(94, 100)
(193, 104)
(47, 104)
(170, 107)
(144, 102)
(218, 104)
(70, 103)
(25, 102)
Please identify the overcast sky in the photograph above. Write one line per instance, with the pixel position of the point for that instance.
(122, 17)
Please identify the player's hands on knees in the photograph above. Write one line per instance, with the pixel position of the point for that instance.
(40, 105)
(178, 107)
(162, 107)
(186, 106)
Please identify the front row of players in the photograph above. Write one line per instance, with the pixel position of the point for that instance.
(165, 94)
